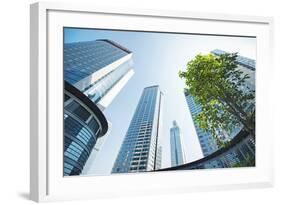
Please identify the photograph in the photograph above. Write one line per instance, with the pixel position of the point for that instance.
(147, 101)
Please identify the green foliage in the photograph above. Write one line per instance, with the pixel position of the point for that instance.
(216, 83)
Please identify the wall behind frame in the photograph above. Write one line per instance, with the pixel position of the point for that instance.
(14, 103)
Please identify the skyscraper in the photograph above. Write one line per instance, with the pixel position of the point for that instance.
(138, 152)
(177, 152)
(95, 71)
(97, 68)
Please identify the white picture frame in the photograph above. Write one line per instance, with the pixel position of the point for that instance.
(46, 23)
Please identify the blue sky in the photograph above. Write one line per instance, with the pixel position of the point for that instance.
(157, 59)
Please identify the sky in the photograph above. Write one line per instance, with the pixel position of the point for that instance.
(157, 57)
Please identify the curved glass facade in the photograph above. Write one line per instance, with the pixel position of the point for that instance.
(83, 125)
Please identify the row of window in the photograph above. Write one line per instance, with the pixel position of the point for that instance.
(138, 163)
(74, 128)
(141, 168)
(139, 158)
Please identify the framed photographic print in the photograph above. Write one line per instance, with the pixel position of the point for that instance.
(127, 102)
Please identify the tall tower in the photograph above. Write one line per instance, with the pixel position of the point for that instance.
(177, 152)
(138, 152)
(97, 68)
(94, 73)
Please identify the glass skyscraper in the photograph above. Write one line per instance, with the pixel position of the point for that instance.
(95, 71)
(97, 68)
(138, 151)
(177, 152)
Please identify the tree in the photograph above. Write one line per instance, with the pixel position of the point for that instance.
(220, 87)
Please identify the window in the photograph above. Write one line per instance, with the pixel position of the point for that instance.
(93, 125)
(75, 108)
